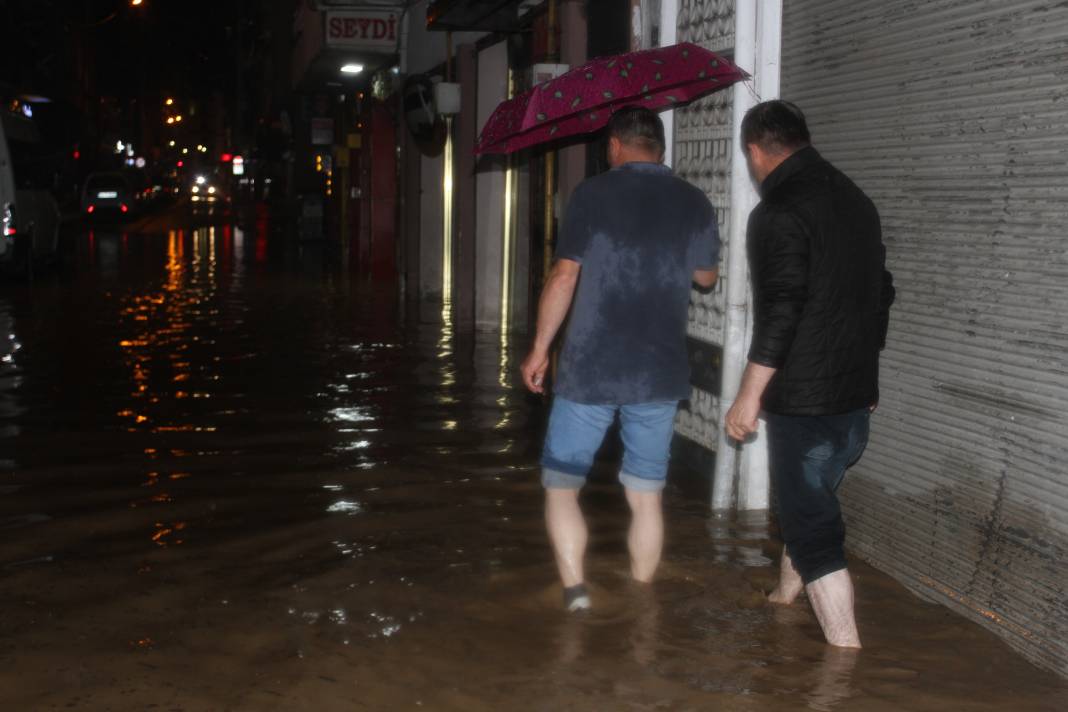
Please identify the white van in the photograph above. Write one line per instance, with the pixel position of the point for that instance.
(29, 214)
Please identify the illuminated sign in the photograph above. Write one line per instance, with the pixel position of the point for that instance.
(362, 29)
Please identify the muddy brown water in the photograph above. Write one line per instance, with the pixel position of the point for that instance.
(233, 480)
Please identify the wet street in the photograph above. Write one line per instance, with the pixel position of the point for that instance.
(233, 479)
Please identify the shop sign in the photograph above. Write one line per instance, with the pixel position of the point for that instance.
(362, 29)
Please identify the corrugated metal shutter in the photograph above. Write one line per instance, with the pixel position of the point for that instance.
(953, 116)
(703, 157)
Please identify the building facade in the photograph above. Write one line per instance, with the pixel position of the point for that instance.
(951, 117)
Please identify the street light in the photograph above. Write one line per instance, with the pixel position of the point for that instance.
(169, 101)
(136, 3)
(351, 68)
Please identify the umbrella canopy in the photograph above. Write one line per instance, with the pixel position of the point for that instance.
(583, 99)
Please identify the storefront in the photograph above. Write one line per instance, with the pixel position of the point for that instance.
(345, 74)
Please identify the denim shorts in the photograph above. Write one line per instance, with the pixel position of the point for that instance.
(576, 431)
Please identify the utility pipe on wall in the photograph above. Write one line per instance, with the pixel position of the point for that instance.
(753, 485)
(550, 160)
(742, 200)
(669, 18)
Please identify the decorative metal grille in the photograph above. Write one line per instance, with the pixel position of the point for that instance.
(703, 157)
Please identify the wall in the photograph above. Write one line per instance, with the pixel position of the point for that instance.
(952, 117)
(492, 89)
(426, 49)
(430, 230)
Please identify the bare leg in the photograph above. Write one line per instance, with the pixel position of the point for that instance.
(831, 597)
(567, 532)
(646, 536)
(790, 583)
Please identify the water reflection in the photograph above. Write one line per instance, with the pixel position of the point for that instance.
(833, 679)
(739, 537)
(246, 469)
(10, 377)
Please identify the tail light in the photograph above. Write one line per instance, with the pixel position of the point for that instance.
(123, 207)
(90, 209)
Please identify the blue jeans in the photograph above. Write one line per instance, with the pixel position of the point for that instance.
(576, 431)
(808, 457)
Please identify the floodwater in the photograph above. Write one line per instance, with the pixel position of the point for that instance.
(233, 480)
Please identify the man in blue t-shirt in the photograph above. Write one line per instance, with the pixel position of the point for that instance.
(633, 241)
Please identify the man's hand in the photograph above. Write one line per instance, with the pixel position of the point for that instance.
(741, 419)
(706, 278)
(533, 369)
(552, 309)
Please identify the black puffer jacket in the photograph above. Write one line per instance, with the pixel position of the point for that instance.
(821, 290)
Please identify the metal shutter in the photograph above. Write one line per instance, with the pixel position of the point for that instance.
(953, 116)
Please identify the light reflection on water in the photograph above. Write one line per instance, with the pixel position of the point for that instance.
(326, 484)
(10, 379)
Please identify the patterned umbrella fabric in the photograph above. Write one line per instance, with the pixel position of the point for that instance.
(583, 99)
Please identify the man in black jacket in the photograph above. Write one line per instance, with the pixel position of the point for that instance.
(821, 297)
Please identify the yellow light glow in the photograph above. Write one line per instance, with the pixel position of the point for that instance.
(507, 256)
(446, 242)
(178, 119)
(169, 101)
(196, 189)
(211, 189)
(507, 248)
(170, 119)
(171, 143)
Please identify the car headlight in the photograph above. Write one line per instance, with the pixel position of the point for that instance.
(7, 221)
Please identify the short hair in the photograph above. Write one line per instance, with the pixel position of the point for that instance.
(639, 127)
(776, 126)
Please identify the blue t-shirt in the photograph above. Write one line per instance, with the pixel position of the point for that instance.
(639, 233)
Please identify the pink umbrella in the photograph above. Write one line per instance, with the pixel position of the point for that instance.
(584, 99)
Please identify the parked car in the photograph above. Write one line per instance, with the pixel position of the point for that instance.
(107, 195)
(29, 214)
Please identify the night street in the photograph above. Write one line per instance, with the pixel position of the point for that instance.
(236, 480)
(548, 355)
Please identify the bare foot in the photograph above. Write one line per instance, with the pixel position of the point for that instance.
(790, 583)
(781, 597)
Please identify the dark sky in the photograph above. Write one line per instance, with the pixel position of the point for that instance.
(185, 47)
